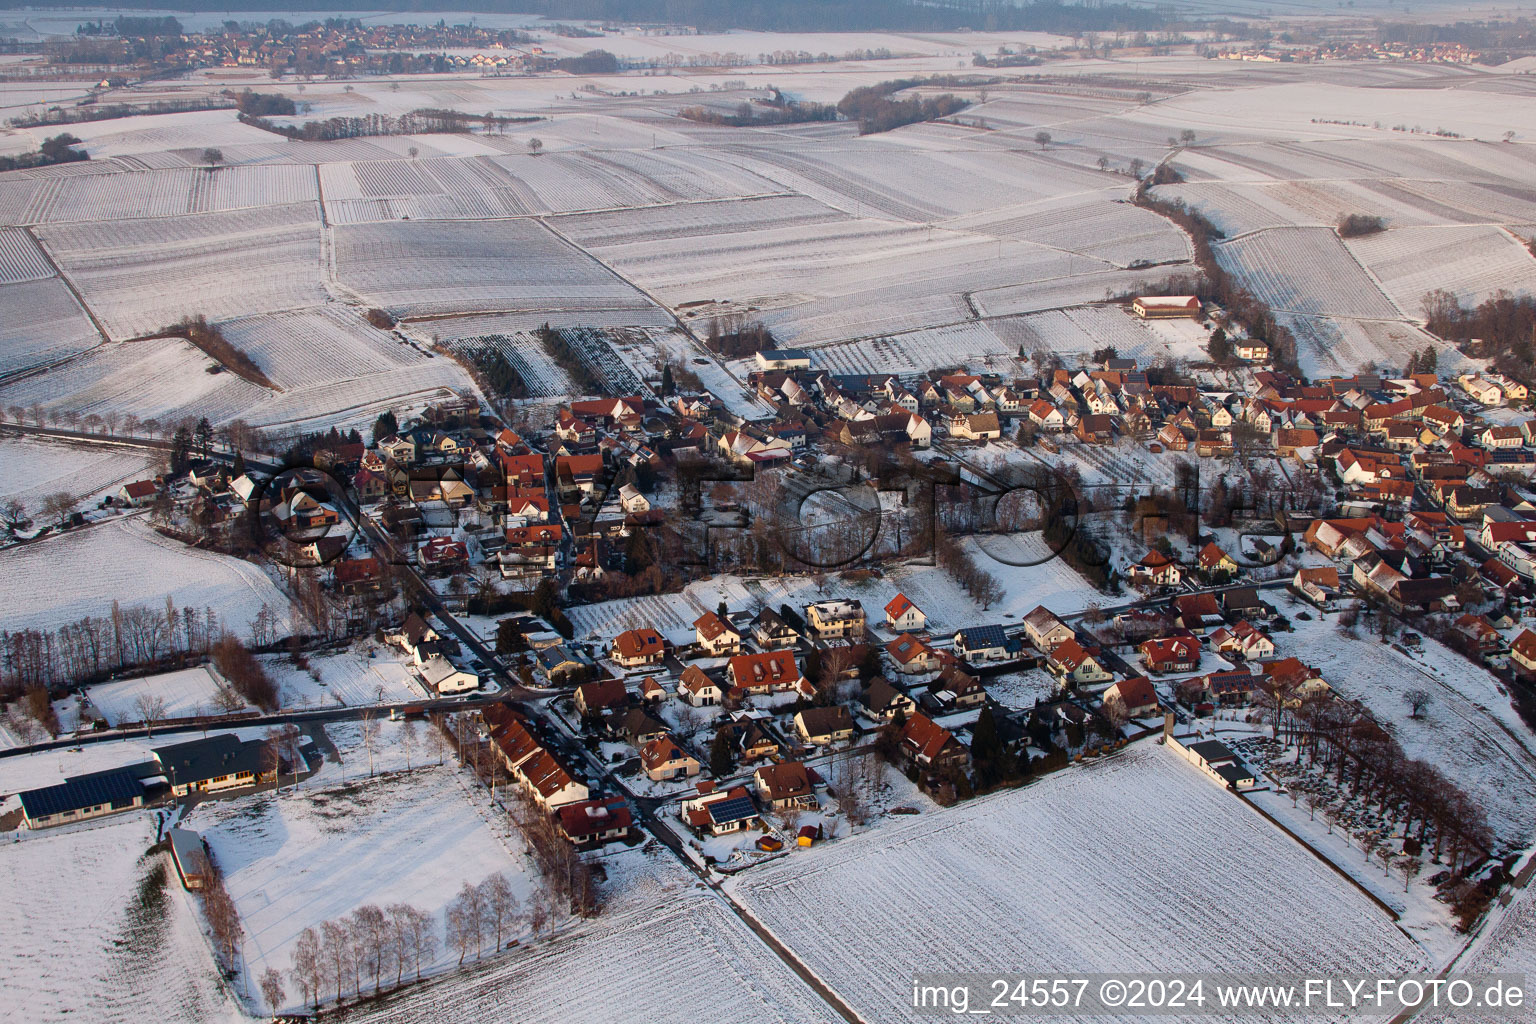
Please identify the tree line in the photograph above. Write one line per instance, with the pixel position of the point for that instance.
(56, 150)
(874, 107)
(1504, 324)
(94, 648)
(216, 346)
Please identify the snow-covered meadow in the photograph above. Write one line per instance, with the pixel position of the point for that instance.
(1136, 862)
(64, 578)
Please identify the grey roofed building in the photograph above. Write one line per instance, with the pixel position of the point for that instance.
(1212, 752)
(196, 763)
(84, 796)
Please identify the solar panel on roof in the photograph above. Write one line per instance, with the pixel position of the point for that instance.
(734, 809)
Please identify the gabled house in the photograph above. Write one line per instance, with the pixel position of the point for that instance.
(821, 726)
(1133, 697)
(771, 632)
(902, 614)
(785, 786)
(1076, 665)
(1045, 630)
(768, 672)
(715, 636)
(1170, 654)
(636, 648)
(1156, 569)
(884, 701)
(603, 695)
(663, 758)
(929, 746)
(912, 656)
(698, 689)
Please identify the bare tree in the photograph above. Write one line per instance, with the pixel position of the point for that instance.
(151, 709)
(501, 904)
(58, 506)
(370, 929)
(540, 908)
(308, 971)
(535, 146)
(1043, 139)
(1418, 700)
(460, 929)
(408, 740)
(336, 954)
(272, 989)
(368, 722)
(13, 515)
(1408, 868)
(437, 736)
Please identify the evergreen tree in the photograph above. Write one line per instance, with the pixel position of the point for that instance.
(181, 450)
(667, 386)
(721, 761)
(385, 425)
(986, 748)
(204, 434)
(1219, 347)
(239, 467)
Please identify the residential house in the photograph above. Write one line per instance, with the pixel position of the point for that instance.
(912, 656)
(884, 701)
(720, 812)
(592, 823)
(785, 786)
(603, 695)
(138, 493)
(1319, 586)
(984, 643)
(1045, 630)
(1077, 665)
(771, 632)
(902, 614)
(636, 648)
(763, 673)
(664, 759)
(1171, 654)
(444, 678)
(698, 689)
(1215, 562)
(843, 620)
(1523, 651)
(929, 746)
(715, 636)
(1133, 697)
(214, 763)
(821, 726)
(1156, 569)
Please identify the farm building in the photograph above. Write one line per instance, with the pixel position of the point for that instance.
(81, 798)
(191, 858)
(212, 764)
(1164, 307)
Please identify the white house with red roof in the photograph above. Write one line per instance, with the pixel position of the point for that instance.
(912, 655)
(902, 614)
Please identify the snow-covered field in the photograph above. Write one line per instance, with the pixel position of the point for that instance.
(79, 946)
(663, 949)
(65, 578)
(350, 678)
(295, 860)
(1137, 862)
(187, 694)
(33, 467)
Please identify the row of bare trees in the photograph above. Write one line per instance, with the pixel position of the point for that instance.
(370, 942)
(96, 647)
(1370, 767)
